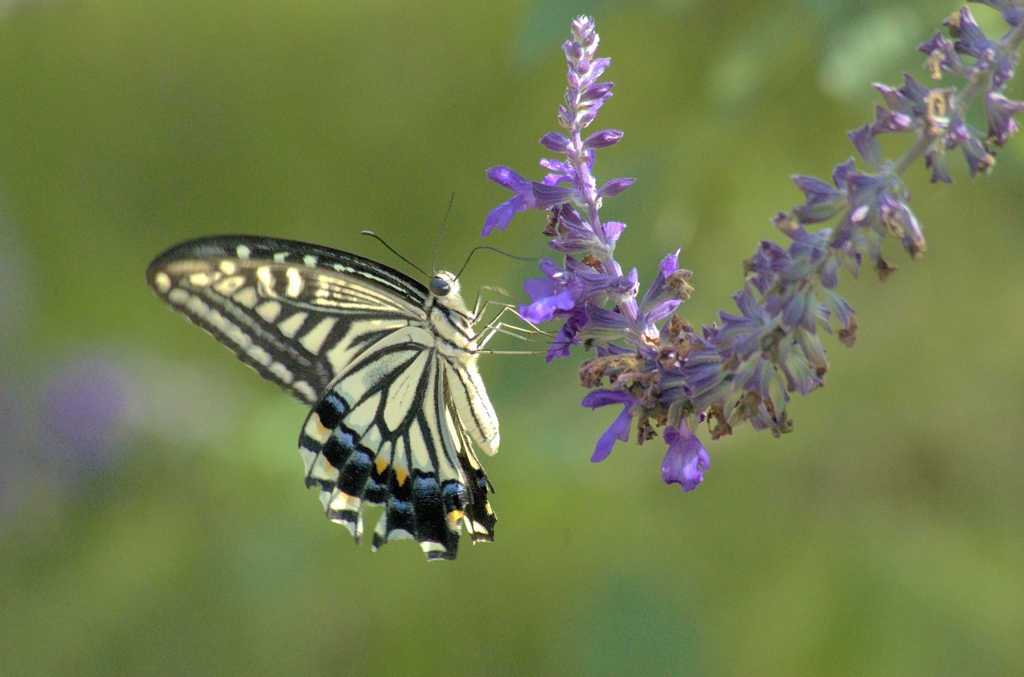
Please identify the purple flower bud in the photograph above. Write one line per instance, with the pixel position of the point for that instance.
(573, 51)
(867, 145)
(614, 187)
(941, 55)
(1000, 111)
(597, 93)
(823, 201)
(602, 139)
(841, 173)
(686, 459)
(586, 116)
(546, 196)
(1013, 12)
(892, 122)
(555, 142)
(938, 162)
(612, 230)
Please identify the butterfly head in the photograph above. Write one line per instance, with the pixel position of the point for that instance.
(444, 284)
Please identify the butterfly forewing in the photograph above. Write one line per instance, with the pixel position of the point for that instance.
(389, 367)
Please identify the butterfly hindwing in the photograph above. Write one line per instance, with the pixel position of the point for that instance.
(410, 455)
(389, 369)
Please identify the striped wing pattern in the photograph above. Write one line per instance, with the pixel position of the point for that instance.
(388, 367)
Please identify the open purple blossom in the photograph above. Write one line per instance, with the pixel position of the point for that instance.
(686, 459)
(662, 371)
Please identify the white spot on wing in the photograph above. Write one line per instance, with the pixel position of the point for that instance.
(314, 339)
(402, 392)
(266, 278)
(315, 428)
(227, 267)
(247, 297)
(242, 251)
(292, 325)
(281, 372)
(178, 296)
(307, 458)
(305, 389)
(418, 448)
(162, 282)
(280, 257)
(229, 285)
(362, 416)
(269, 310)
(200, 279)
(260, 355)
(309, 260)
(295, 283)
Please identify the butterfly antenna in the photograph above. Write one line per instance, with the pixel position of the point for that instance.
(377, 237)
(493, 249)
(433, 259)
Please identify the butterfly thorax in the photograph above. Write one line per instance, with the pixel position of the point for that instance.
(451, 322)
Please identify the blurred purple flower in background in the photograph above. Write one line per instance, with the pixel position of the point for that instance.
(663, 371)
(86, 411)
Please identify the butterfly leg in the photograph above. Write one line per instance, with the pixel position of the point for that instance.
(497, 326)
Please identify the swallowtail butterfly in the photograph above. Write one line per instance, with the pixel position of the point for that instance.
(388, 366)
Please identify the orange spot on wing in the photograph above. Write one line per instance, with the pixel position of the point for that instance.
(382, 465)
(453, 519)
(401, 475)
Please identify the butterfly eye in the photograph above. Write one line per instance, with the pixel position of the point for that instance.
(439, 287)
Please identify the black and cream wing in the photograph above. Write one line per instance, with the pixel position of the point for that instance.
(388, 365)
(295, 312)
(387, 432)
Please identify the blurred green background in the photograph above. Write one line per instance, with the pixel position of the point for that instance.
(153, 519)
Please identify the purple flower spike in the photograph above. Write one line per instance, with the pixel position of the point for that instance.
(686, 459)
(619, 429)
(745, 368)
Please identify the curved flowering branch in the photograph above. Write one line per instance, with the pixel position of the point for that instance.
(661, 370)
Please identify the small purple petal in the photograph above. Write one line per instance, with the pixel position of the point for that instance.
(669, 264)
(614, 187)
(686, 459)
(544, 309)
(500, 216)
(618, 430)
(567, 334)
(603, 398)
(663, 310)
(539, 287)
(508, 178)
